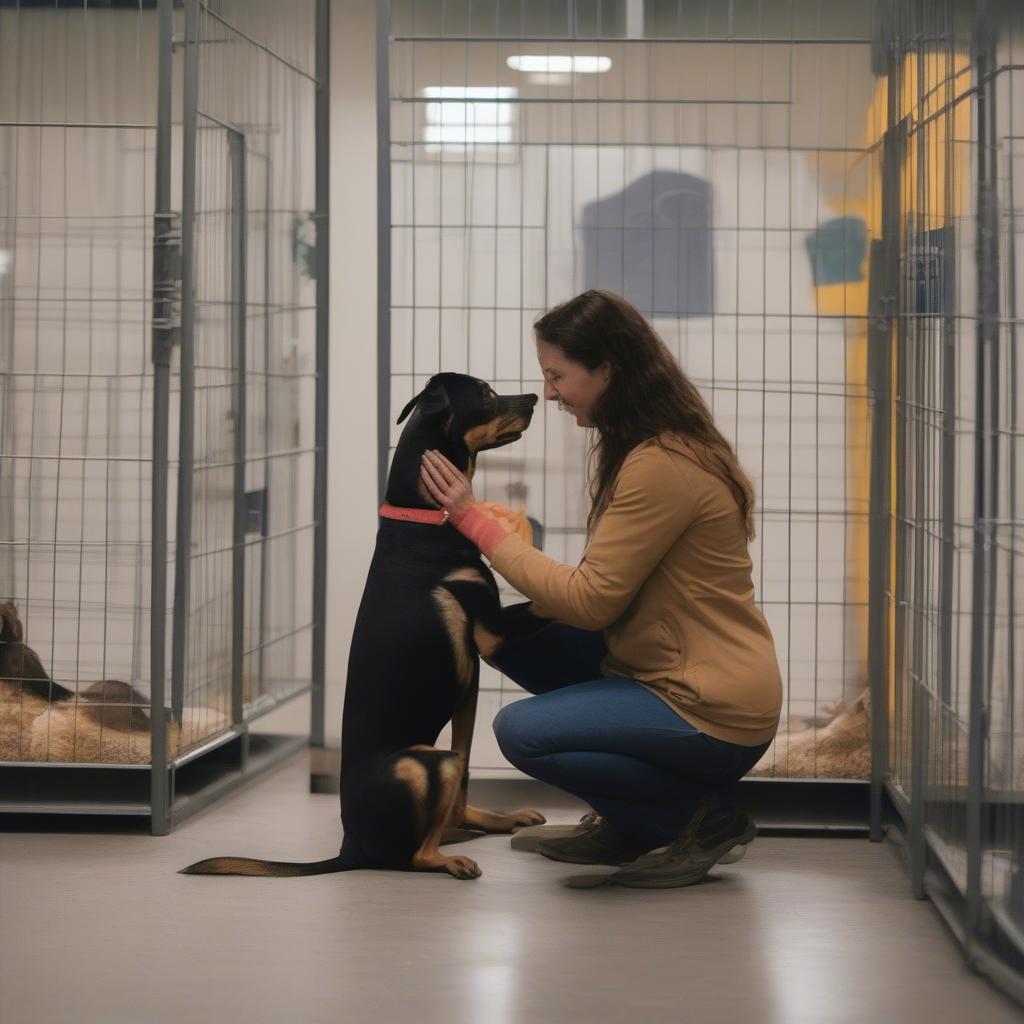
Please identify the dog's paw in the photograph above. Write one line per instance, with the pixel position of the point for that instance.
(524, 817)
(462, 867)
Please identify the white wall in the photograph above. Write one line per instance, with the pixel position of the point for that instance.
(352, 473)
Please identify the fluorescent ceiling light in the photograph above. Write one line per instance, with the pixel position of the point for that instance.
(559, 64)
(470, 92)
(457, 135)
(460, 116)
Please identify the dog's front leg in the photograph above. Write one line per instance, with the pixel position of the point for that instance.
(479, 598)
(463, 814)
(463, 722)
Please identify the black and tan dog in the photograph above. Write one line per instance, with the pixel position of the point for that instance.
(429, 609)
(20, 667)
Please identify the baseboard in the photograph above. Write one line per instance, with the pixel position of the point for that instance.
(838, 807)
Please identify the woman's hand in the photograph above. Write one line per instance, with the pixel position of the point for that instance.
(446, 485)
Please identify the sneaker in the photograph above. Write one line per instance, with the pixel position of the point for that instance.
(528, 839)
(737, 853)
(600, 843)
(714, 831)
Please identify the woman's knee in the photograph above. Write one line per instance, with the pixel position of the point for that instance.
(512, 731)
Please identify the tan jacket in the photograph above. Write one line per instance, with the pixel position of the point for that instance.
(667, 577)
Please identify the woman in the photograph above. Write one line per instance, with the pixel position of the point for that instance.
(657, 686)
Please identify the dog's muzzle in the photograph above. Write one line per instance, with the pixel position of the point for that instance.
(518, 410)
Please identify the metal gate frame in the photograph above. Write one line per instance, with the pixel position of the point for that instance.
(992, 941)
(166, 806)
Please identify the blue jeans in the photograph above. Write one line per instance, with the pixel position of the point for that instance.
(610, 742)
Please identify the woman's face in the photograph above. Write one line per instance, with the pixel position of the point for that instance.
(569, 383)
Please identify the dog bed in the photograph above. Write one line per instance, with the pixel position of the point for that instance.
(840, 749)
(71, 731)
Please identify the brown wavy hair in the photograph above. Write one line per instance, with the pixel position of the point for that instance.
(647, 395)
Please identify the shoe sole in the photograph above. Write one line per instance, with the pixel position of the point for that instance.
(569, 859)
(526, 839)
(664, 882)
(737, 853)
(639, 880)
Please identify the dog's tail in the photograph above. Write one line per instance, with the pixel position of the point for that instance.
(265, 868)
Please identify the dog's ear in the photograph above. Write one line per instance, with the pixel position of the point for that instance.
(10, 624)
(432, 400)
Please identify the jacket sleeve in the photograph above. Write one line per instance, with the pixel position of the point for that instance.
(655, 499)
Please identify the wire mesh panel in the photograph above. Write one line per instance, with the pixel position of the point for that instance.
(253, 363)
(1000, 868)
(934, 423)
(108, 401)
(76, 171)
(954, 741)
(710, 165)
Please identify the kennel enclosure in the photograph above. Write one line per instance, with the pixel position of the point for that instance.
(814, 203)
(163, 304)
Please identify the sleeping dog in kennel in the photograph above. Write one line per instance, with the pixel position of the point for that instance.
(105, 722)
(429, 610)
(40, 720)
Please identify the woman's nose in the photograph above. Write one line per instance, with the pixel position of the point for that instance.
(549, 393)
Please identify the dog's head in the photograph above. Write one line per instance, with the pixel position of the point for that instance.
(467, 415)
(460, 416)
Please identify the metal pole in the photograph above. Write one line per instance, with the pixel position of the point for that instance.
(186, 453)
(949, 390)
(884, 277)
(323, 287)
(236, 149)
(911, 593)
(993, 321)
(1014, 425)
(383, 247)
(634, 19)
(268, 427)
(163, 340)
(988, 310)
(897, 398)
(946, 725)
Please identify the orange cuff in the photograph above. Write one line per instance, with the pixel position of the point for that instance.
(486, 533)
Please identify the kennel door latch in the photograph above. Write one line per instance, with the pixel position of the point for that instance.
(166, 284)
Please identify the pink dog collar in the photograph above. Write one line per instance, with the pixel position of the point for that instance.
(429, 516)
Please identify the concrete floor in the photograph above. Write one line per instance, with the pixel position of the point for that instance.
(100, 928)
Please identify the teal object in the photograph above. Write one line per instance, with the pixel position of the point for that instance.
(837, 250)
(304, 244)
